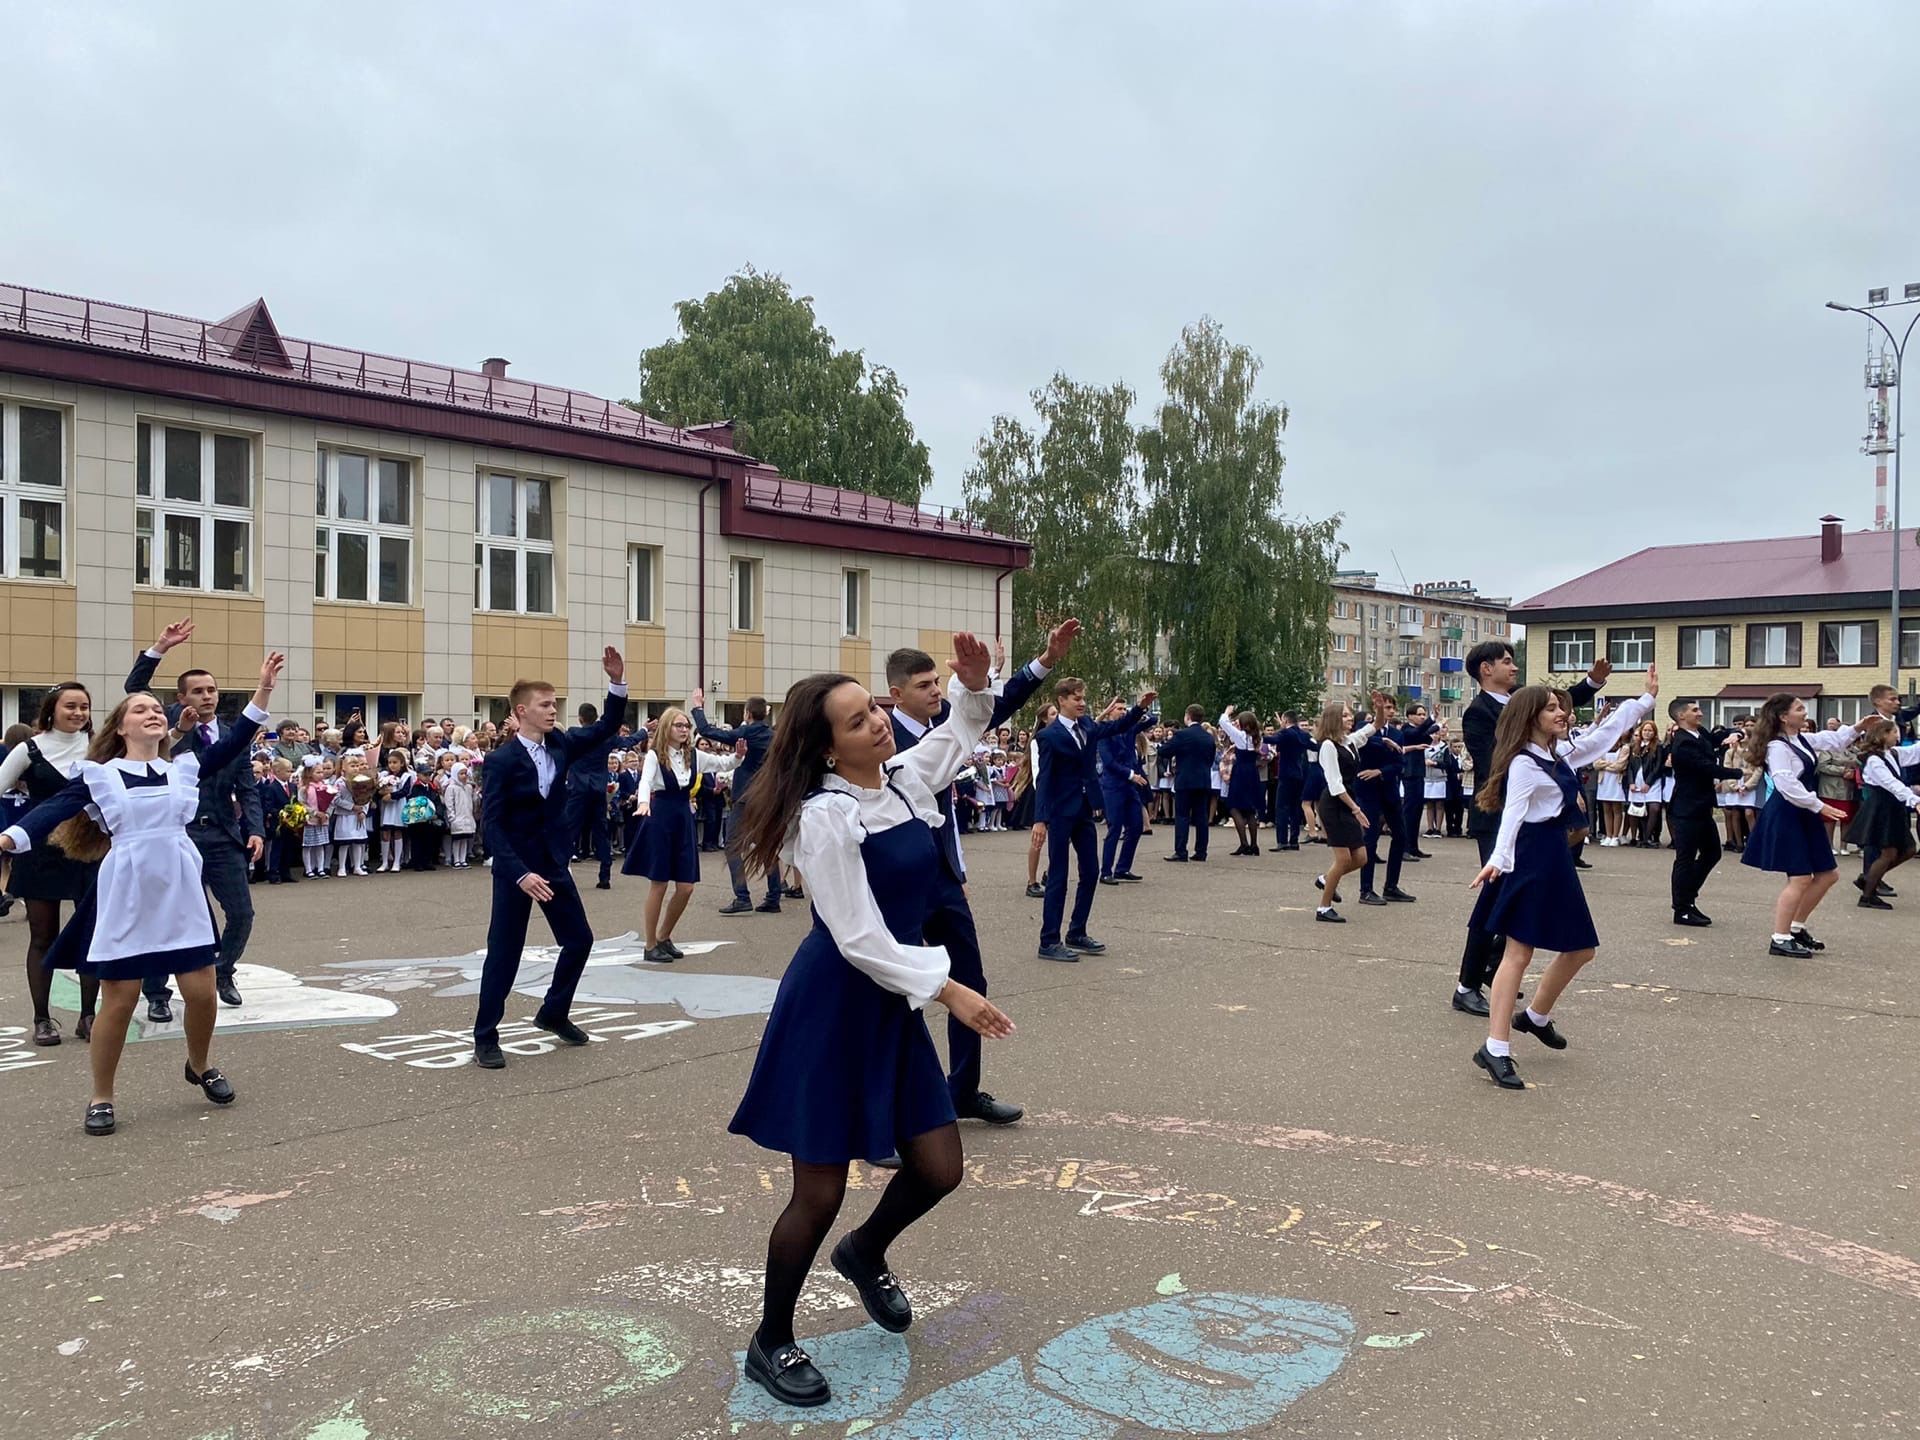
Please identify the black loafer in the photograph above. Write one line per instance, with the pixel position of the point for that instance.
(45, 1032)
(1500, 1067)
(1471, 1002)
(995, 1112)
(1108, 880)
(1086, 945)
(1805, 937)
(1059, 952)
(159, 1012)
(1865, 902)
(562, 1028)
(1174, 859)
(1329, 917)
(1368, 899)
(767, 907)
(1395, 893)
(1127, 877)
(657, 955)
(672, 949)
(100, 1118)
(1789, 950)
(1546, 1034)
(217, 1087)
(737, 906)
(486, 1054)
(788, 1375)
(887, 1304)
(228, 991)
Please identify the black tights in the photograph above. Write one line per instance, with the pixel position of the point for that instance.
(1884, 862)
(930, 1170)
(43, 923)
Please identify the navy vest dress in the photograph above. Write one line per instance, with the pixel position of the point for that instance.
(1539, 902)
(1243, 785)
(1785, 838)
(846, 1069)
(666, 846)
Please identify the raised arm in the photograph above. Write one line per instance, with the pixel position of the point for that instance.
(1599, 739)
(1236, 737)
(945, 748)
(1831, 739)
(1878, 772)
(41, 821)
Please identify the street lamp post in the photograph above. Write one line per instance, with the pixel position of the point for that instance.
(1899, 386)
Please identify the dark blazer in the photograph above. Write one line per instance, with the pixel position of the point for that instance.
(1476, 728)
(1291, 745)
(588, 769)
(1696, 765)
(757, 733)
(229, 796)
(1067, 779)
(527, 832)
(1191, 750)
(1414, 740)
(1120, 757)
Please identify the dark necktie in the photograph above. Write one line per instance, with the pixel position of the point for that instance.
(206, 737)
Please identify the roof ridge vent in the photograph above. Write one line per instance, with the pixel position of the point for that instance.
(251, 337)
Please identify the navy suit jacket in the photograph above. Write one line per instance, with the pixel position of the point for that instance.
(1015, 693)
(1120, 757)
(1192, 750)
(757, 733)
(588, 768)
(229, 795)
(1292, 744)
(527, 831)
(1067, 781)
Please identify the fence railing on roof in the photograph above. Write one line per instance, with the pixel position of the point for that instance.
(798, 496)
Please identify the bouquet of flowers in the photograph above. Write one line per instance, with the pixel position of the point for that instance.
(293, 816)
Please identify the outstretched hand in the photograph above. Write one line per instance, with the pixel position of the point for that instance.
(698, 699)
(1059, 641)
(1653, 678)
(615, 667)
(1147, 697)
(270, 669)
(178, 633)
(970, 660)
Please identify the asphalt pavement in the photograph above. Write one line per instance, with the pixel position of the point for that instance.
(1260, 1189)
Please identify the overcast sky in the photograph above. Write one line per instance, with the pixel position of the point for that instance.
(1541, 284)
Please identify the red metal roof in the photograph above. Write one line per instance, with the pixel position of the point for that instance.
(1735, 572)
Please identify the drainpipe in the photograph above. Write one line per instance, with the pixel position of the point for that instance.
(700, 589)
(996, 599)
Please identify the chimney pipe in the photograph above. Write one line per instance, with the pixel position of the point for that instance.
(1829, 539)
(494, 368)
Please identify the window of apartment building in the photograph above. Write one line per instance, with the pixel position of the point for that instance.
(1373, 616)
(643, 585)
(1909, 642)
(513, 546)
(1473, 627)
(1706, 647)
(1630, 647)
(1409, 677)
(1773, 644)
(33, 491)
(744, 594)
(1339, 609)
(854, 585)
(196, 531)
(363, 527)
(1849, 642)
(1569, 650)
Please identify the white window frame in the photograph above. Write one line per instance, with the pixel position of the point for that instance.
(1857, 631)
(1909, 642)
(209, 515)
(14, 490)
(1637, 636)
(747, 567)
(327, 493)
(1722, 647)
(856, 591)
(1768, 629)
(647, 613)
(518, 542)
(1565, 649)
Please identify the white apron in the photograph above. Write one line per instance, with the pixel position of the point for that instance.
(149, 899)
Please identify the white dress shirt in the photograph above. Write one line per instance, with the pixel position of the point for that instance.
(1533, 795)
(1784, 759)
(709, 764)
(1330, 759)
(1880, 771)
(825, 847)
(543, 758)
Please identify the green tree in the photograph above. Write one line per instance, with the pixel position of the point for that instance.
(752, 352)
(1241, 592)
(1069, 486)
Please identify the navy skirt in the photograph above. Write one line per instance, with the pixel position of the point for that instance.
(1882, 822)
(72, 945)
(846, 1070)
(666, 847)
(1539, 902)
(1314, 786)
(1788, 840)
(1243, 786)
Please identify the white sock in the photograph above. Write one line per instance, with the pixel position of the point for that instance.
(1797, 927)
(1499, 1047)
(1780, 939)
(1460, 989)
(1537, 1018)
(1326, 909)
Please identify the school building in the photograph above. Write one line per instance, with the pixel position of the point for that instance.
(1411, 643)
(1732, 622)
(417, 536)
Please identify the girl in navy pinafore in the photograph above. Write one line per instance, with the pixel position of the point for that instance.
(1530, 890)
(1788, 836)
(846, 1068)
(666, 846)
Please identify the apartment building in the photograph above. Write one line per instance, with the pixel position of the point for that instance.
(1731, 622)
(418, 536)
(1412, 643)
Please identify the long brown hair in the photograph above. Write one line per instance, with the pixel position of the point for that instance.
(796, 763)
(1877, 736)
(50, 702)
(1329, 727)
(1512, 735)
(81, 837)
(1766, 726)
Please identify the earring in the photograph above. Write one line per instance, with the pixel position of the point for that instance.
(829, 762)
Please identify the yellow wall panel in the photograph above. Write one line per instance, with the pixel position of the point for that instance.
(646, 654)
(229, 635)
(856, 659)
(44, 615)
(746, 665)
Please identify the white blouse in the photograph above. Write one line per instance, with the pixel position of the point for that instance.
(63, 751)
(825, 847)
(1532, 794)
(1881, 770)
(709, 764)
(1236, 737)
(1330, 759)
(1784, 759)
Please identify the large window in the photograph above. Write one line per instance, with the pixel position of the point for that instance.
(744, 599)
(1630, 647)
(1569, 650)
(513, 546)
(643, 585)
(1706, 647)
(853, 602)
(1773, 645)
(194, 529)
(1910, 642)
(363, 530)
(1850, 642)
(33, 491)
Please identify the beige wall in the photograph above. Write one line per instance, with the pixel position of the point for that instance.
(37, 634)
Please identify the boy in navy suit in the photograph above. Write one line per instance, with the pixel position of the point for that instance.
(528, 837)
(1191, 751)
(1068, 747)
(1123, 790)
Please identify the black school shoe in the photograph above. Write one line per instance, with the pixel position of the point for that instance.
(1086, 945)
(1394, 892)
(99, 1119)
(1865, 902)
(1545, 1034)
(1471, 1002)
(1789, 950)
(1805, 937)
(886, 1303)
(562, 1029)
(788, 1375)
(1500, 1067)
(217, 1087)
